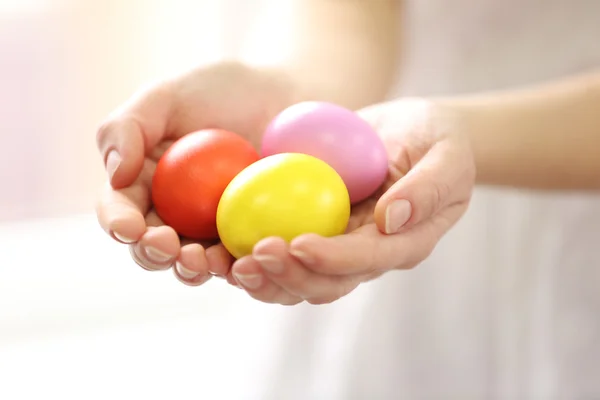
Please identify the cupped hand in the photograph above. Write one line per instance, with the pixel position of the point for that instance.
(430, 181)
(132, 139)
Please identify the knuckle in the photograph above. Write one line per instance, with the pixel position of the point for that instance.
(290, 283)
(385, 258)
(270, 295)
(377, 261)
(420, 253)
(261, 296)
(433, 197)
(429, 246)
(413, 265)
(112, 128)
(103, 132)
(339, 290)
(425, 250)
(346, 286)
(440, 191)
(291, 301)
(138, 259)
(320, 301)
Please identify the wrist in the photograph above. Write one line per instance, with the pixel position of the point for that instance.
(475, 124)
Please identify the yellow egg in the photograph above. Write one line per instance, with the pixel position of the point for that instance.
(282, 195)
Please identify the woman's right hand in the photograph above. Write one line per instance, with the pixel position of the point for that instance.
(228, 96)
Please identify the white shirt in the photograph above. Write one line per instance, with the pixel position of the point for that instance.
(508, 306)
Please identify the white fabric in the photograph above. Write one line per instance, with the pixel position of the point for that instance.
(508, 306)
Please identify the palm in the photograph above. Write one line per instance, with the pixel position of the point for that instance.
(225, 97)
(409, 133)
(402, 151)
(362, 214)
(430, 167)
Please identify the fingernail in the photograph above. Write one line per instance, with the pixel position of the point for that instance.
(143, 262)
(112, 163)
(157, 255)
(184, 272)
(303, 257)
(250, 281)
(123, 239)
(397, 214)
(216, 275)
(270, 264)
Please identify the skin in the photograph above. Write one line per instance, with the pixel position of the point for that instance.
(435, 147)
(545, 137)
(323, 45)
(422, 143)
(241, 96)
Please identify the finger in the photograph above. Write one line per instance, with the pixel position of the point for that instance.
(425, 189)
(157, 249)
(191, 267)
(289, 273)
(248, 274)
(131, 131)
(219, 260)
(152, 219)
(367, 250)
(120, 212)
(229, 278)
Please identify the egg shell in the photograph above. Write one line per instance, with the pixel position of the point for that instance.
(283, 195)
(191, 176)
(336, 135)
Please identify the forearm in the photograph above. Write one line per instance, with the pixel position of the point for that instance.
(545, 137)
(343, 51)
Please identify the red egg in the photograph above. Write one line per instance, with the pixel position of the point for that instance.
(191, 176)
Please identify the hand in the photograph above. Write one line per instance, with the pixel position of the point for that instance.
(133, 138)
(429, 185)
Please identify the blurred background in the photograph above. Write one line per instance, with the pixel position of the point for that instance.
(65, 64)
(78, 320)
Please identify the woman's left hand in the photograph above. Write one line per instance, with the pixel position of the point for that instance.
(430, 181)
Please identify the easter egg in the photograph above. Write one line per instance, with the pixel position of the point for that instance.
(335, 135)
(283, 195)
(191, 176)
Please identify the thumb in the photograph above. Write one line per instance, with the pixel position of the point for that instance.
(131, 131)
(423, 191)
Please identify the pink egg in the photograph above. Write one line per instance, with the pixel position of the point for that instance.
(337, 136)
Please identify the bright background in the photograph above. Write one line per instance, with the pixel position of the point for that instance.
(78, 320)
(66, 63)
